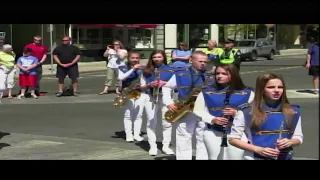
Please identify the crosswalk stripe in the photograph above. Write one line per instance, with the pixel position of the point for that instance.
(34, 144)
(292, 93)
(112, 154)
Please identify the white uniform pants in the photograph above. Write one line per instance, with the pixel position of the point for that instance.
(212, 141)
(6, 74)
(187, 126)
(152, 112)
(133, 112)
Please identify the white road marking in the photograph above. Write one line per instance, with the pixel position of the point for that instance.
(112, 154)
(304, 158)
(35, 144)
(292, 93)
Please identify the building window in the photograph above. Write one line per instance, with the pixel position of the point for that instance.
(87, 38)
(261, 31)
(100, 37)
(180, 32)
(141, 38)
(199, 35)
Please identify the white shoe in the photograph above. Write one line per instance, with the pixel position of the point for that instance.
(168, 151)
(34, 96)
(153, 151)
(138, 138)
(21, 96)
(129, 139)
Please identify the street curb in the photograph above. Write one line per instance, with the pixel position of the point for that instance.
(290, 55)
(93, 71)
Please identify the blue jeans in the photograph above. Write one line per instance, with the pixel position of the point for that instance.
(180, 64)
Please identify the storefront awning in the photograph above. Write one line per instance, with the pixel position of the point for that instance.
(119, 25)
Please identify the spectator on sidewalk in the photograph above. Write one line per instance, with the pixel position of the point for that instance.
(313, 64)
(67, 57)
(112, 67)
(40, 52)
(7, 60)
(181, 56)
(28, 73)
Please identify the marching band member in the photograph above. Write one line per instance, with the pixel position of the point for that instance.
(153, 101)
(185, 80)
(127, 74)
(215, 104)
(271, 123)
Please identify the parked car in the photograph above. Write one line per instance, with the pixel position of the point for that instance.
(253, 48)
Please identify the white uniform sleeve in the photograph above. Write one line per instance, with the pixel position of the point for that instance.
(201, 110)
(298, 131)
(167, 91)
(143, 81)
(238, 126)
(123, 76)
(251, 97)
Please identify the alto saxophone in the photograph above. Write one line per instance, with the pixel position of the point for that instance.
(186, 104)
(128, 93)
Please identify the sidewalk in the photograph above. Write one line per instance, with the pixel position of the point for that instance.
(101, 65)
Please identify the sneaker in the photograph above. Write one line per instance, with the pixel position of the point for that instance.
(138, 138)
(153, 151)
(168, 151)
(34, 96)
(21, 96)
(59, 94)
(129, 139)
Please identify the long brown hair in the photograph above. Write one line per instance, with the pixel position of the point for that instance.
(258, 114)
(149, 69)
(236, 82)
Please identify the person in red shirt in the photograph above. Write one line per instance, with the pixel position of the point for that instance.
(40, 52)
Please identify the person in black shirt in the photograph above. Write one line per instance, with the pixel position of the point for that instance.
(67, 57)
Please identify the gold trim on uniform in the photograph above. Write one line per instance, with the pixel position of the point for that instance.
(274, 132)
(221, 108)
(236, 92)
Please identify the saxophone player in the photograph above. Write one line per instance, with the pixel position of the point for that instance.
(128, 73)
(151, 92)
(272, 124)
(210, 106)
(185, 80)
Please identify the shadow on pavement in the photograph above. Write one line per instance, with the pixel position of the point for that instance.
(122, 135)
(306, 91)
(171, 157)
(2, 145)
(145, 145)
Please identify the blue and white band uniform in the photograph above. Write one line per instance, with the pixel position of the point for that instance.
(269, 130)
(152, 109)
(209, 105)
(132, 110)
(184, 80)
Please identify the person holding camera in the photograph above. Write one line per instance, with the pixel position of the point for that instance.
(112, 66)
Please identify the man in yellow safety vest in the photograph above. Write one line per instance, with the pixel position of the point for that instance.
(230, 54)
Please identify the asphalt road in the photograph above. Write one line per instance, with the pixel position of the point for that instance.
(89, 127)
